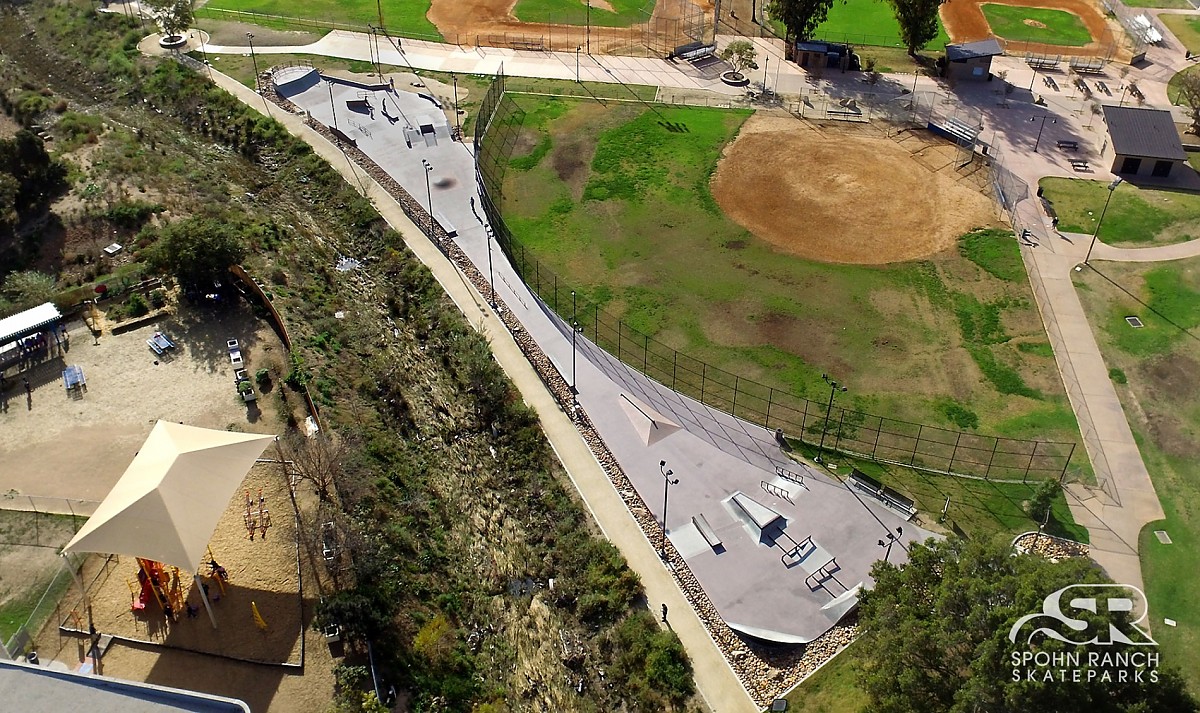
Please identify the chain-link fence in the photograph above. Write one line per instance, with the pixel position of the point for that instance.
(818, 423)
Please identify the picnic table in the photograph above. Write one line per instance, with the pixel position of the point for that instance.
(162, 341)
(73, 378)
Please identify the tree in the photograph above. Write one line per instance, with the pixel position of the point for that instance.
(320, 460)
(28, 289)
(918, 22)
(1188, 96)
(936, 636)
(800, 17)
(740, 54)
(199, 250)
(173, 16)
(1038, 507)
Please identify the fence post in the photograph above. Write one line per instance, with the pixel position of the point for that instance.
(736, 381)
(916, 444)
(1032, 455)
(556, 293)
(804, 421)
(646, 356)
(878, 430)
(1063, 476)
(988, 470)
(596, 326)
(674, 366)
(954, 454)
(837, 442)
(770, 398)
(703, 378)
(619, 340)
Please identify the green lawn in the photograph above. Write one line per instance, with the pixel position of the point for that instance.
(1162, 367)
(833, 689)
(1054, 27)
(1173, 84)
(609, 197)
(1136, 216)
(1185, 28)
(405, 18)
(575, 12)
(865, 22)
(1180, 4)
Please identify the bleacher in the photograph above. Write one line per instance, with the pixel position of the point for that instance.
(955, 129)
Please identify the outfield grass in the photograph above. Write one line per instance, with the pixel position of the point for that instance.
(611, 200)
(1161, 363)
(1136, 216)
(1055, 27)
(1173, 84)
(1185, 28)
(868, 22)
(1171, 4)
(402, 17)
(833, 689)
(575, 12)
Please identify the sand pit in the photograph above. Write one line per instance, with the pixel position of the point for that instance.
(841, 198)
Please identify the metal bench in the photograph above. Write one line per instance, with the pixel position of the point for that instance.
(889, 497)
(1069, 145)
(1080, 165)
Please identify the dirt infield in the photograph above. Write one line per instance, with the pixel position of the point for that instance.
(493, 22)
(831, 196)
(965, 22)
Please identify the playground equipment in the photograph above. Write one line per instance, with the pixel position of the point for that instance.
(160, 582)
(258, 620)
(256, 519)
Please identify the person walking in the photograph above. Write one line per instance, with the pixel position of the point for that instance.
(664, 611)
(28, 393)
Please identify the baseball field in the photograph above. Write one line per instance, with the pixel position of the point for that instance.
(780, 250)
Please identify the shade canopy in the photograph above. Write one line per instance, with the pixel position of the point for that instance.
(168, 503)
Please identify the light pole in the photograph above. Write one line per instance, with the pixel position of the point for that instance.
(833, 387)
(250, 39)
(491, 280)
(1041, 129)
(457, 119)
(1111, 187)
(891, 539)
(428, 194)
(332, 105)
(667, 483)
(574, 330)
(577, 62)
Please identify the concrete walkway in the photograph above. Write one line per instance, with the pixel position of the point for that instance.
(717, 683)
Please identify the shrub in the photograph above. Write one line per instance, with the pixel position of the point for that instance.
(136, 305)
(158, 299)
(1118, 376)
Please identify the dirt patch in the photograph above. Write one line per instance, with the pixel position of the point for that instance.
(1034, 23)
(965, 22)
(831, 196)
(602, 4)
(221, 32)
(492, 22)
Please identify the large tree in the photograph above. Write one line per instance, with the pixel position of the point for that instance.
(199, 250)
(1188, 96)
(936, 637)
(173, 16)
(800, 17)
(918, 22)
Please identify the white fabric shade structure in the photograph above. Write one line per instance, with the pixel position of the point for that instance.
(168, 503)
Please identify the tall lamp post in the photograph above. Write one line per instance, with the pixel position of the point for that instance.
(491, 279)
(574, 331)
(833, 389)
(428, 194)
(667, 483)
(1111, 187)
(253, 59)
(332, 105)
(457, 118)
(1041, 128)
(891, 540)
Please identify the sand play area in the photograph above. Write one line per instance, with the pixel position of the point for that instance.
(861, 199)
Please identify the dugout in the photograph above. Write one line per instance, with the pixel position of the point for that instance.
(971, 60)
(825, 55)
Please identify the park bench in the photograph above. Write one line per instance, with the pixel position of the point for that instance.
(528, 45)
(708, 533)
(1042, 62)
(1069, 145)
(1049, 82)
(883, 494)
(1093, 65)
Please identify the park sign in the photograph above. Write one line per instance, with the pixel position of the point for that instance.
(1085, 633)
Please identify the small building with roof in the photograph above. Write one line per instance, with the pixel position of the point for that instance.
(971, 60)
(1145, 141)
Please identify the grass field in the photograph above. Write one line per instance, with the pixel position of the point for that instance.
(1185, 28)
(1053, 27)
(574, 12)
(833, 689)
(403, 17)
(1173, 84)
(29, 563)
(1136, 216)
(1171, 4)
(1161, 363)
(609, 199)
(865, 22)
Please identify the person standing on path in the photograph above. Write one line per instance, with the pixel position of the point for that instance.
(664, 611)
(28, 393)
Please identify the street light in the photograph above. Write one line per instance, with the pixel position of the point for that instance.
(891, 539)
(250, 39)
(428, 194)
(491, 280)
(577, 62)
(833, 387)
(1111, 187)
(332, 105)
(457, 119)
(667, 483)
(574, 331)
(1041, 128)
